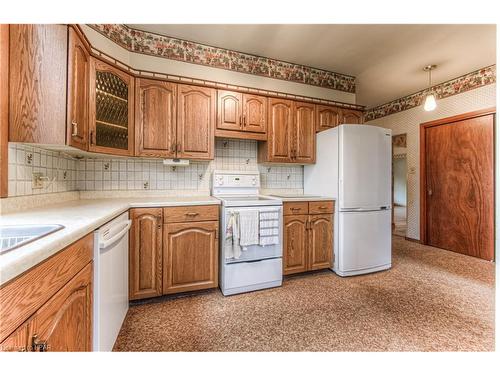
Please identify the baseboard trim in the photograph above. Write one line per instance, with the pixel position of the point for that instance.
(413, 240)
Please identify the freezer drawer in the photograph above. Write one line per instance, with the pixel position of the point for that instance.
(364, 242)
(245, 277)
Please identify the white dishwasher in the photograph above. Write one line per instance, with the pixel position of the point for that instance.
(110, 281)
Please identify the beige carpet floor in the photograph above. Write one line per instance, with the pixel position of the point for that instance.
(431, 300)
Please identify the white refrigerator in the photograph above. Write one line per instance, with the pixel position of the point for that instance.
(353, 165)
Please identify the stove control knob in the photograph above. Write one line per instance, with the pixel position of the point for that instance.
(220, 181)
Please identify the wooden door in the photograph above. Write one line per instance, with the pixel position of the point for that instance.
(350, 116)
(280, 120)
(327, 117)
(37, 83)
(155, 118)
(17, 341)
(459, 185)
(320, 241)
(64, 323)
(229, 110)
(304, 133)
(195, 122)
(77, 126)
(111, 109)
(145, 253)
(190, 256)
(294, 244)
(254, 113)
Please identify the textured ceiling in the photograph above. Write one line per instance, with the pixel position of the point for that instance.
(387, 60)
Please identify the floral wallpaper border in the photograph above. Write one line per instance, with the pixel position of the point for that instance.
(149, 43)
(469, 81)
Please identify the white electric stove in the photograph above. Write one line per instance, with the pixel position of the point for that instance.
(257, 266)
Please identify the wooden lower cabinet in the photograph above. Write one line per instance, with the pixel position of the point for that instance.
(295, 244)
(145, 253)
(50, 304)
(307, 238)
(320, 241)
(64, 323)
(190, 256)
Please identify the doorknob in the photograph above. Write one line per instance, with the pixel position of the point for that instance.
(429, 192)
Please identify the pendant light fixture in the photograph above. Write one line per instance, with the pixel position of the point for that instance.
(430, 99)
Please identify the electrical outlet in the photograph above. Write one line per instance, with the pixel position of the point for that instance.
(37, 181)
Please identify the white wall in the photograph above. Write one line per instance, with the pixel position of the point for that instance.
(409, 122)
(399, 167)
(162, 65)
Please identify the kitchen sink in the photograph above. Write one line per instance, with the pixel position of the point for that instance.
(14, 236)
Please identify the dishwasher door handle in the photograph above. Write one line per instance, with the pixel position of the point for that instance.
(116, 237)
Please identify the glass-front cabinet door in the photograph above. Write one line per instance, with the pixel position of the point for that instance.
(111, 110)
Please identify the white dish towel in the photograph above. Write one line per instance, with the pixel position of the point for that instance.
(232, 238)
(249, 228)
(269, 228)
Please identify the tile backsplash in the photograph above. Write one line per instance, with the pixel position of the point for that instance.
(103, 174)
(59, 171)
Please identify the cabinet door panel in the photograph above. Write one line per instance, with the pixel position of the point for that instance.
(254, 113)
(78, 92)
(190, 256)
(304, 133)
(17, 341)
(327, 117)
(37, 83)
(195, 122)
(64, 323)
(352, 117)
(229, 113)
(145, 253)
(111, 109)
(320, 242)
(155, 118)
(280, 131)
(294, 244)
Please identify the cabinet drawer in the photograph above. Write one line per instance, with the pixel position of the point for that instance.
(190, 213)
(323, 207)
(295, 208)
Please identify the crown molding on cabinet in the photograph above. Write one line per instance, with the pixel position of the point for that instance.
(206, 83)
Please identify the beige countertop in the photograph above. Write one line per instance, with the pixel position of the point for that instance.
(79, 218)
(301, 198)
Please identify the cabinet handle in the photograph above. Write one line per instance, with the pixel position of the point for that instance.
(174, 147)
(295, 208)
(244, 120)
(241, 122)
(92, 138)
(74, 126)
(37, 345)
(178, 147)
(323, 207)
(192, 214)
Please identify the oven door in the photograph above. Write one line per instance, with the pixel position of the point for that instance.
(255, 252)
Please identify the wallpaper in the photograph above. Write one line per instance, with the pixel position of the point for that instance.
(469, 81)
(196, 53)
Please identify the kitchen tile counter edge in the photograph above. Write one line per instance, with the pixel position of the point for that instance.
(302, 199)
(79, 218)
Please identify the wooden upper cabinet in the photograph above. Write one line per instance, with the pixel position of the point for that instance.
(229, 110)
(320, 241)
(78, 92)
(327, 117)
(254, 113)
(155, 118)
(64, 323)
(111, 109)
(278, 147)
(295, 244)
(241, 115)
(145, 253)
(350, 116)
(37, 83)
(304, 133)
(196, 112)
(190, 256)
